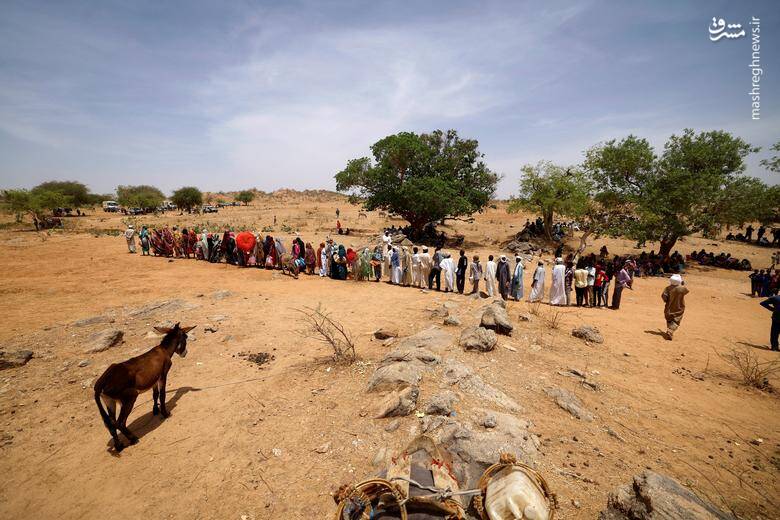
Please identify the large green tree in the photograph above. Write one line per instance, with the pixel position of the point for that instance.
(74, 193)
(141, 196)
(552, 190)
(187, 198)
(424, 178)
(773, 163)
(245, 196)
(696, 185)
(36, 203)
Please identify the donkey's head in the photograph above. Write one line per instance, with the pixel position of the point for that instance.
(175, 337)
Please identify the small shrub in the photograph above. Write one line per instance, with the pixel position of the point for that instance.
(320, 326)
(754, 372)
(553, 319)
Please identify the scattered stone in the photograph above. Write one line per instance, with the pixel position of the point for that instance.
(84, 363)
(380, 457)
(221, 294)
(488, 420)
(496, 318)
(15, 358)
(452, 321)
(510, 348)
(219, 317)
(588, 333)
(210, 328)
(393, 426)
(524, 316)
(653, 496)
(386, 333)
(569, 402)
(104, 340)
(456, 373)
(441, 404)
(614, 434)
(478, 338)
(758, 441)
(276, 452)
(325, 448)
(399, 404)
(94, 320)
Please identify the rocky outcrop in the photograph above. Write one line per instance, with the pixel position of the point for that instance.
(652, 496)
(14, 358)
(458, 374)
(399, 404)
(569, 402)
(401, 368)
(441, 404)
(104, 340)
(495, 317)
(478, 338)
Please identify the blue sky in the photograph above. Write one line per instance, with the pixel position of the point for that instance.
(228, 95)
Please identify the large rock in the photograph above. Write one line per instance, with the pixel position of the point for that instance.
(474, 449)
(456, 373)
(441, 404)
(569, 402)
(104, 340)
(399, 404)
(494, 317)
(93, 320)
(588, 333)
(401, 368)
(14, 358)
(478, 338)
(432, 338)
(652, 496)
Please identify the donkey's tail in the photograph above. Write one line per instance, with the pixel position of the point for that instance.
(110, 425)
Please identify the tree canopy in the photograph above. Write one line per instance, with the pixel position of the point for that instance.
(187, 197)
(245, 196)
(552, 190)
(36, 203)
(695, 185)
(773, 164)
(74, 194)
(423, 178)
(141, 196)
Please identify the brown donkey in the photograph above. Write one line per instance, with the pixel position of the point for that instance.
(124, 381)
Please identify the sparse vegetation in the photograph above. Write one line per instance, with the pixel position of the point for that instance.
(754, 372)
(321, 326)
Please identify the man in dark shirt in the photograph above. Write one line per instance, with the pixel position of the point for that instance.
(773, 304)
(460, 273)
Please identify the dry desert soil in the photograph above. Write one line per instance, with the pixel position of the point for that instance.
(249, 441)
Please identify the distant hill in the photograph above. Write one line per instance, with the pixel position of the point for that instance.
(280, 194)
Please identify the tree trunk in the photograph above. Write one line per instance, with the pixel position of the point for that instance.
(666, 246)
(548, 222)
(582, 246)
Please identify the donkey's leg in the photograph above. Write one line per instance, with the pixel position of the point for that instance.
(163, 380)
(111, 411)
(127, 406)
(155, 395)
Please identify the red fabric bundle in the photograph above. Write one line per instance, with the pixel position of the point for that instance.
(245, 241)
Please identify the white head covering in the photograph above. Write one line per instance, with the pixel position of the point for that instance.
(559, 260)
(503, 258)
(675, 279)
(130, 226)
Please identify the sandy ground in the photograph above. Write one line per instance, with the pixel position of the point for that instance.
(241, 439)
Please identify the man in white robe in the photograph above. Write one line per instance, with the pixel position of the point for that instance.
(448, 271)
(425, 266)
(490, 276)
(537, 285)
(558, 289)
(130, 237)
(415, 267)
